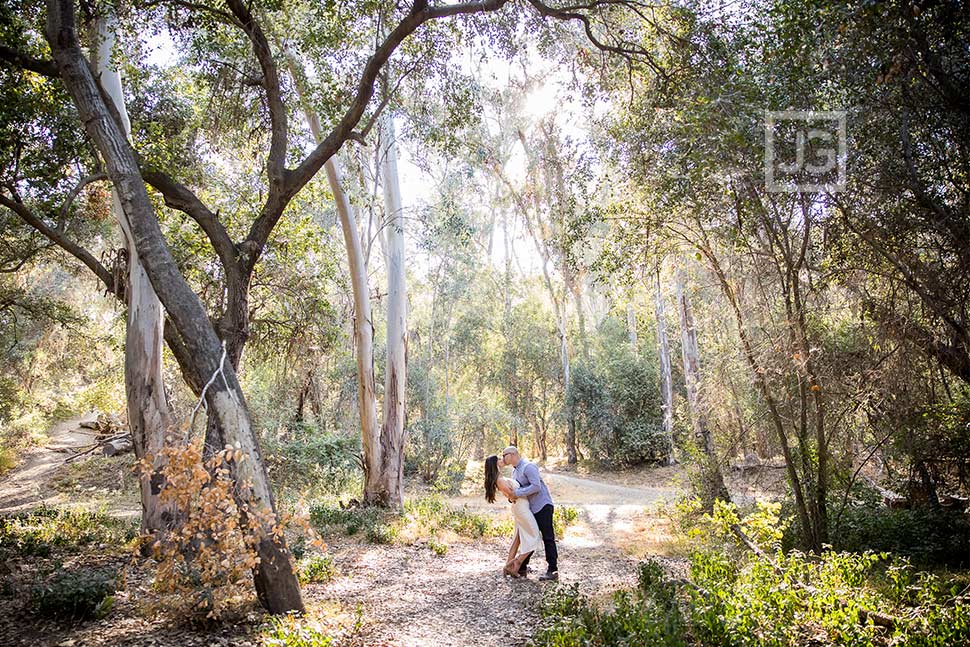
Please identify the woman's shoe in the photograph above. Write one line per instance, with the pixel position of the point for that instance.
(513, 574)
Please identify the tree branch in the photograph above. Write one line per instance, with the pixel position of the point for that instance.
(419, 14)
(276, 161)
(62, 241)
(178, 196)
(41, 66)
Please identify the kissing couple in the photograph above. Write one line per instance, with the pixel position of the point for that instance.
(531, 509)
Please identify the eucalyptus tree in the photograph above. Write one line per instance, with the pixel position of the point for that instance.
(209, 350)
(149, 417)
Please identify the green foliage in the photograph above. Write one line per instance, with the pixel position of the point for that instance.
(615, 399)
(929, 537)
(648, 615)
(565, 516)
(326, 516)
(317, 569)
(293, 631)
(42, 530)
(304, 459)
(423, 517)
(742, 599)
(75, 595)
(437, 547)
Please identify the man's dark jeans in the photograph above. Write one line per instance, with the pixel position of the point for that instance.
(544, 521)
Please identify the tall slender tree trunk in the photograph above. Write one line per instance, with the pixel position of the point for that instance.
(275, 581)
(714, 480)
(631, 326)
(395, 373)
(666, 372)
(363, 320)
(149, 417)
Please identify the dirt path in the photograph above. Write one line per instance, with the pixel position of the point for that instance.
(410, 597)
(407, 596)
(26, 486)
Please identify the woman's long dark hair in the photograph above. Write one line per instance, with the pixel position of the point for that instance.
(491, 478)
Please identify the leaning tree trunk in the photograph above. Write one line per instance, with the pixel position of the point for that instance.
(666, 374)
(276, 583)
(713, 479)
(395, 371)
(363, 321)
(149, 417)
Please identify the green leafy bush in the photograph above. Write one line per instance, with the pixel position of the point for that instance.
(615, 400)
(317, 569)
(293, 631)
(75, 595)
(929, 537)
(782, 598)
(40, 531)
(309, 459)
(647, 615)
(422, 517)
(564, 517)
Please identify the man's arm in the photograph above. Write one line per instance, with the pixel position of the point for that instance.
(531, 472)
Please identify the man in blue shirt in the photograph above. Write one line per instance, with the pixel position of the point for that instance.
(540, 503)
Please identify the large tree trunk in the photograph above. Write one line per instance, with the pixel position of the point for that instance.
(666, 373)
(395, 372)
(276, 584)
(149, 417)
(363, 320)
(363, 339)
(713, 479)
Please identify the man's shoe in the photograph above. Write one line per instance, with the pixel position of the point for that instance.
(549, 576)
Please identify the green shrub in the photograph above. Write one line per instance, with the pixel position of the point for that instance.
(564, 517)
(8, 459)
(439, 548)
(743, 600)
(647, 615)
(615, 401)
(927, 536)
(75, 595)
(423, 517)
(293, 631)
(325, 516)
(318, 569)
(39, 531)
(381, 533)
(313, 460)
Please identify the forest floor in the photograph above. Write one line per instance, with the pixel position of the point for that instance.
(400, 595)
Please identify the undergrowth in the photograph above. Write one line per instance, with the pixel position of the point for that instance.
(737, 598)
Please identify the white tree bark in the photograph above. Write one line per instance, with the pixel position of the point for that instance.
(395, 373)
(148, 412)
(363, 320)
(713, 479)
(666, 374)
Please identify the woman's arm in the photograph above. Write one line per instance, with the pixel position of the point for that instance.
(505, 487)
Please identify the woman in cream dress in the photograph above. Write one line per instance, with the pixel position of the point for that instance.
(526, 537)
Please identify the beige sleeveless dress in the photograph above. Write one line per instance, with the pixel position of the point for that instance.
(526, 527)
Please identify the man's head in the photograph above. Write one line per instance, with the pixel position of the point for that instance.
(510, 456)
